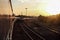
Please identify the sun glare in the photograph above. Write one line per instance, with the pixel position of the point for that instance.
(52, 7)
(44, 7)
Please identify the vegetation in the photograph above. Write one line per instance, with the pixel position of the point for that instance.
(50, 20)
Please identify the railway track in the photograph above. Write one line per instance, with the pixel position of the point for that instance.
(46, 32)
(21, 31)
(24, 31)
(31, 33)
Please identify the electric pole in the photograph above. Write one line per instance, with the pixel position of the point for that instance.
(11, 6)
(26, 11)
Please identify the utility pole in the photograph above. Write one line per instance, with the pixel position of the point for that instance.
(26, 11)
(9, 35)
(11, 6)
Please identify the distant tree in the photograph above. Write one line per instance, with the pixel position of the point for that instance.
(42, 18)
(13, 14)
(58, 20)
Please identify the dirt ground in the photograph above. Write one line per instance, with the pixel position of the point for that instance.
(5, 24)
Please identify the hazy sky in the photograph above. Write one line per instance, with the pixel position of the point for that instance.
(35, 7)
(4, 7)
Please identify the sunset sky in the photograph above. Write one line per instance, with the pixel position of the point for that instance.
(35, 7)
